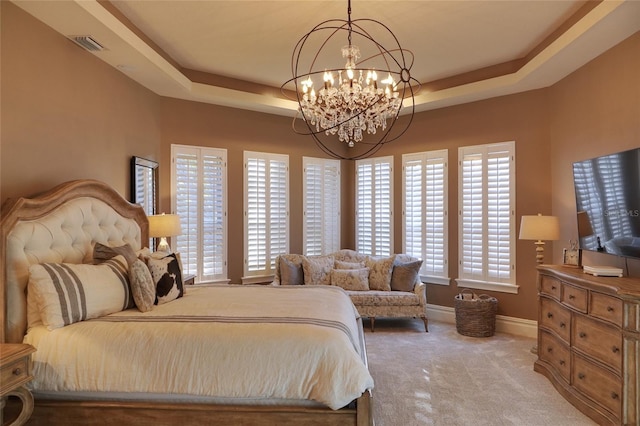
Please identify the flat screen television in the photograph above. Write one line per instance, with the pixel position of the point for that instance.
(608, 203)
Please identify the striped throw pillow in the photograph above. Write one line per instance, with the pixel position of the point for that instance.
(66, 293)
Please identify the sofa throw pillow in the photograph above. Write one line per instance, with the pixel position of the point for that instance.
(67, 293)
(317, 270)
(380, 272)
(340, 264)
(103, 252)
(405, 275)
(290, 273)
(167, 278)
(351, 279)
(143, 288)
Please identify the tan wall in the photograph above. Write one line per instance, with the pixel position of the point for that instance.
(67, 115)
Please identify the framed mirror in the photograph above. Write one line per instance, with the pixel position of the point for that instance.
(144, 184)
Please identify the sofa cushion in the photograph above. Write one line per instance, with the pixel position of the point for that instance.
(380, 272)
(351, 279)
(290, 272)
(340, 264)
(383, 298)
(317, 270)
(404, 275)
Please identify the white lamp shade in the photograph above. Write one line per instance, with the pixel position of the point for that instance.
(539, 228)
(164, 225)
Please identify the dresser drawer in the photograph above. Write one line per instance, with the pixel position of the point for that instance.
(574, 297)
(598, 339)
(555, 352)
(14, 374)
(606, 307)
(555, 317)
(550, 286)
(597, 383)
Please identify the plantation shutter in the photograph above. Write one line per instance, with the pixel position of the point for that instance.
(487, 213)
(374, 206)
(199, 179)
(266, 211)
(425, 210)
(321, 206)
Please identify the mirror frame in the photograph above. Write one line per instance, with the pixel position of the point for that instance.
(140, 167)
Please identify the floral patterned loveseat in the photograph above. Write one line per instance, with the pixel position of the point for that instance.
(378, 286)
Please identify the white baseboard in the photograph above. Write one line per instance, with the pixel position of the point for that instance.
(504, 324)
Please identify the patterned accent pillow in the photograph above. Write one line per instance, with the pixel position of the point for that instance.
(317, 270)
(102, 252)
(405, 275)
(290, 273)
(348, 265)
(143, 287)
(66, 293)
(167, 278)
(351, 279)
(380, 272)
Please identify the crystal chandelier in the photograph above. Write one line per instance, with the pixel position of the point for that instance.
(351, 102)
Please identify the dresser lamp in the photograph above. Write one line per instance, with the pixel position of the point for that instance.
(539, 229)
(163, 226)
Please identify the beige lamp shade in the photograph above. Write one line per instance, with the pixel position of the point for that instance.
(539, 228)
(163, 226)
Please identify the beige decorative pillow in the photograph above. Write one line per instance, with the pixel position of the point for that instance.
(351, 279)
(66, 293)
(380, 272)
(317, 270)
(348, 265)
(405, 275)
(143, 287)
(290, 273)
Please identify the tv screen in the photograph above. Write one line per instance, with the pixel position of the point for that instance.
(608, 203)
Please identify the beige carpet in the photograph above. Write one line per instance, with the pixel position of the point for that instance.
(444, 378)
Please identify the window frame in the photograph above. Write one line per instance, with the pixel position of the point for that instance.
(483, 280)
(426, 192)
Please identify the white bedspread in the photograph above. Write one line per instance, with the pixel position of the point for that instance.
(217, 341)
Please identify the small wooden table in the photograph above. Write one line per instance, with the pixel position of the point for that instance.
(14, 372)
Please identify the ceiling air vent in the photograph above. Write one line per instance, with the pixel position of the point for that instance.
(88, 43)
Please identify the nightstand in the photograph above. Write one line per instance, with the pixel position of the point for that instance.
(14, 372)
(189, 279)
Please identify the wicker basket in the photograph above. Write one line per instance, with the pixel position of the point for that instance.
(475, 316)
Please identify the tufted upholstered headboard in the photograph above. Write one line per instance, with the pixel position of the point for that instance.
(61, 225)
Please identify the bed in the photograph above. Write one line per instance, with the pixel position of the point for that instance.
(216, 355)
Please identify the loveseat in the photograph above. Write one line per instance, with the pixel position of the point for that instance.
(378, 286)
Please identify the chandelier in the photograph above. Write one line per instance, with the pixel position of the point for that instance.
(359, 105)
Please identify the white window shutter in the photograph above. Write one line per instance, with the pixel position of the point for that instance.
(199, 198)
(321, 206)
(374, 206)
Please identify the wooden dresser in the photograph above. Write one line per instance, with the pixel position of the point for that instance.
(589, 341)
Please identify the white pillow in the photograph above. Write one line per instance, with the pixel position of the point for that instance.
(66, 293)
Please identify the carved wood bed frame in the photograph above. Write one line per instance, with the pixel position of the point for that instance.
(90, 412)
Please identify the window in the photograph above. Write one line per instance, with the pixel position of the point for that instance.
(487, 209)
(374, 206)
(424, 201)
(321, 205)
(199, 197)
(266, 211)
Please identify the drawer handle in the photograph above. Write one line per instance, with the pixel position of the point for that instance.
(581, 376)
(549, 315)
(582, 334)
(549, 349)
(553, 287)
(562, 362)
(610, 309)
(614, 395)
(562, 325)
(17, 371)
(571, 297)
(615, 349)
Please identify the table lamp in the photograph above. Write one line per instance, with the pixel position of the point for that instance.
(539, 228)
(163, 226)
